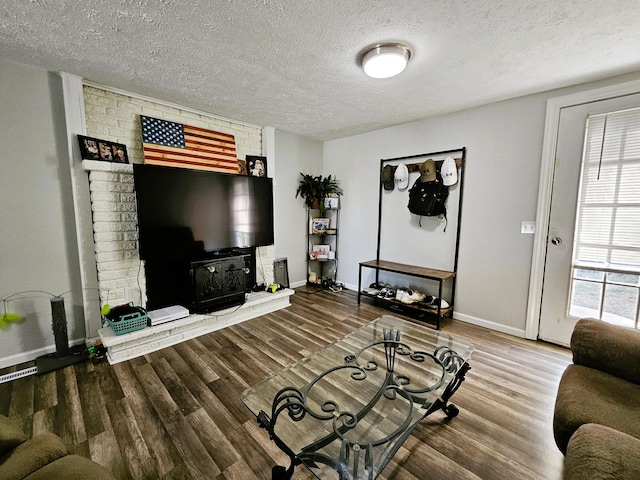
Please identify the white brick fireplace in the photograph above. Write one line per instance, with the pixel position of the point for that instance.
(109, 231)
(115, 116)
(121, 275)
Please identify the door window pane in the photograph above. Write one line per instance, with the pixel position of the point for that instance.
(585, 299)
(588, 274)
(620, 305)
(606, 250)
(626, 278)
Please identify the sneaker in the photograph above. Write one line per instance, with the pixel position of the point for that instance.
(383, 292)
(413, 296)
(432, 302)
(390, 294)
(400, 294)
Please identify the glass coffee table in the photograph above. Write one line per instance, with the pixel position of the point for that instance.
(346, 410)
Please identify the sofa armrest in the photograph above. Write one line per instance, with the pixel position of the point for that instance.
(31, 455)
(609, 348)
(11, 435)
(597, 452)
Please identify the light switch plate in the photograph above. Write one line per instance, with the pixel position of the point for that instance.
(528, 227)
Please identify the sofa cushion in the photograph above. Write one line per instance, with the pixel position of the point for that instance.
(11, 435)
(597, 452)
(586, 395)
(31, 455)
(72, 467)
(610, 348)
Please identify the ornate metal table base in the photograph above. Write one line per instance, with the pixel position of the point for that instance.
(358, 443)
(356, 457)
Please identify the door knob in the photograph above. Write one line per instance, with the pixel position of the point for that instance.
(556, 240)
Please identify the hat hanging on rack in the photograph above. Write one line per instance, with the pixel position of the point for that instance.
(401, 177)
(428, 171)
(449, 172)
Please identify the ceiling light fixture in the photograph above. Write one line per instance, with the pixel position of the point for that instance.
(386, 60)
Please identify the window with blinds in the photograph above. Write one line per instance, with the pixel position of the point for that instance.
(606, 253)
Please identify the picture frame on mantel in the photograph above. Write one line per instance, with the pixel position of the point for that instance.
(242, 167)
(256, 165)
(102, 150)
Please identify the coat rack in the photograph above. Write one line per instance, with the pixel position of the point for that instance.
(432, 274)
(415, 167)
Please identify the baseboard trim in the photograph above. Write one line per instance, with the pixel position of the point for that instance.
(31, 355)
(481, 322)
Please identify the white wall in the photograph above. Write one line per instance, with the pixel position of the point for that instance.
(37, 242)
(504, 147)
(294, 154)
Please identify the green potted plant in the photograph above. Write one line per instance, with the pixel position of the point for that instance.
(314, 188)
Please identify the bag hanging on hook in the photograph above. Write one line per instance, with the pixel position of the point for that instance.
(428, 194)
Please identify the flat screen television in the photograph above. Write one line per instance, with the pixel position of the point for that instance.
(189, 213)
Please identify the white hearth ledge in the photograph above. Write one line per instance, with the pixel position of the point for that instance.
(150, 339)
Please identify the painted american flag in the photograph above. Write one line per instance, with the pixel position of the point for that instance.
(176, 145)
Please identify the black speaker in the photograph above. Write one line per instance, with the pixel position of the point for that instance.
(59, 326)
(250, 271)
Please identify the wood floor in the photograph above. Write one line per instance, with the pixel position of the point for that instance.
(177, 414)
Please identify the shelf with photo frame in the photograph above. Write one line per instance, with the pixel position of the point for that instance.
(322, 244)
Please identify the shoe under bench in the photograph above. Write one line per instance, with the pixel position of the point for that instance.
(410, 310)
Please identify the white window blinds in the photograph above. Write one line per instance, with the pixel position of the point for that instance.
(608, 217)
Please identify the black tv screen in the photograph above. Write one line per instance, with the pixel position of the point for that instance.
(184, 213)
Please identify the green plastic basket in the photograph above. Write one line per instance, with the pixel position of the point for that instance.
(128, 322)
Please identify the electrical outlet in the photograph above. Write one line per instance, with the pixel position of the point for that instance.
(528, 227)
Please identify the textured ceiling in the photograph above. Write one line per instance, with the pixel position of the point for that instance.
(294, 64)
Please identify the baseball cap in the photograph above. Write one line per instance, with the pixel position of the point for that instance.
(449, 172)
(386, 176)
(428, 171)
(402, 176)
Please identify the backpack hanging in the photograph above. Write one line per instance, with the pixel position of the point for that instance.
(428, 198)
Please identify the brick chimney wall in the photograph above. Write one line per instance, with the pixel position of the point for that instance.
(116, 117)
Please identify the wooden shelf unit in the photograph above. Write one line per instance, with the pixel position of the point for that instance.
(324, 267)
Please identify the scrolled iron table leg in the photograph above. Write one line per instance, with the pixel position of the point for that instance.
(278, 472)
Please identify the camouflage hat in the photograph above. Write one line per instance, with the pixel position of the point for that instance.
(386, 176)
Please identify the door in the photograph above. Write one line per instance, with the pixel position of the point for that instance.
(559, 312)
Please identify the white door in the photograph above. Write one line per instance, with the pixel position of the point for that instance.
(557, 316)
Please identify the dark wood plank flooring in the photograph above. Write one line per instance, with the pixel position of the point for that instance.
(177, 414)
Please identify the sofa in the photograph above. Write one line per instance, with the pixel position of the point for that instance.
(596, 421)
(42, 457)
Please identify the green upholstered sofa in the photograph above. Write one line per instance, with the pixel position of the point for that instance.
(43, 457)
(596, 420)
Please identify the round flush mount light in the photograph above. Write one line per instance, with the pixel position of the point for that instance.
(385, 60)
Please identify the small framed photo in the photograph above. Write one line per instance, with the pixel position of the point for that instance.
(331, 202)
(89, 148)
(320, 225)
(256, 165)
(242, 167)
(321, 252)
(119, 153)
(96, 149)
